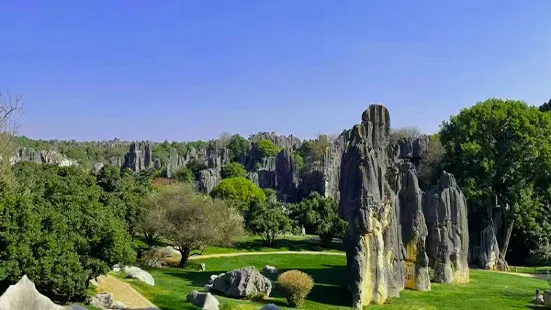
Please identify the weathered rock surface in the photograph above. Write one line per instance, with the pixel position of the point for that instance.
(24, 295)
(270, 307)
(445, 210)
(240, 283)
(414, 230)
(287, 142)
(102, 300)
(547, 299)
(42, 157)
(208, 179)
(366, 202)
(205, 301)
(286, 176)
(489, 250)
(139, 274)
(379, 195)
(139, 157)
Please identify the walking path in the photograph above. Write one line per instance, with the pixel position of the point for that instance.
(124, 293)
(265, 253)
(520, 274)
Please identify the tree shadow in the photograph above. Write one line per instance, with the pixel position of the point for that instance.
(329, 284)
(307, 244)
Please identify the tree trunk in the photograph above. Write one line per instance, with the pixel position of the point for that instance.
(185, 256)
(508, 232)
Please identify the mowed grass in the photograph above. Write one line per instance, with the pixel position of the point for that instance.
(487, 290)
(256, 244)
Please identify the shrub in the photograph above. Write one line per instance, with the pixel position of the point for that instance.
(238, 189)
(267, 148)
(233, 170)
(183, 174)
(296, 285)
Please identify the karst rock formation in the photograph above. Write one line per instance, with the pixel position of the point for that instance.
(396, 231)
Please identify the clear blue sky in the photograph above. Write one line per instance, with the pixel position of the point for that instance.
(190, 69)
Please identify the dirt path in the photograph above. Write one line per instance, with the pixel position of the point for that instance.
(520, 274)
(124, 293)
(265, 253)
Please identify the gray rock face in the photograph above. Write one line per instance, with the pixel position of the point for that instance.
(139, 156)
(23, 295)
(547, 299)
(287, 142)
(286, 176)
(366, 202)
(379, 195)
(240, 283)
(43, 157)
(410, 148)
(445, 210)
(208, 179)
(217, 157)
(414, 230)
(490, 257)
(205, 301)
(332, 167)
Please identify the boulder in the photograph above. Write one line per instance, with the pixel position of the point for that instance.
(202, 267)
(270, 307)
(240, 283)
(102, 300)
(269, 270)
(24, 295)
(212, 278)
(205, 301)
(208, 179)
(538, 300)
(139, 274)
(547, 299)
(118, 305)
(490, 257)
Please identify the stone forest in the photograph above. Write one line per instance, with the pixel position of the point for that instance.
(376, 213)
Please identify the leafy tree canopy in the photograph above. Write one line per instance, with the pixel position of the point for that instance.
(233, 170)
(267, 148)
(238, 146)
(238, 189)
(268, 220)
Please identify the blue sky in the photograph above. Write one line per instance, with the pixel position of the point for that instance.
(190, 69)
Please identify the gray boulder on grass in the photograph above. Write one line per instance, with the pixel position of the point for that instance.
(205, 301)
(270, 307)
(137, 273)
(240, 283)
(102, 300)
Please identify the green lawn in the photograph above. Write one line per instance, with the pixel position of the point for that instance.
(255, 244)
(487, 290)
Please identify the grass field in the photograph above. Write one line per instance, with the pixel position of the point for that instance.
(487, 290)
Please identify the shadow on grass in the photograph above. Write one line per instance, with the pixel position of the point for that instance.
(329, 284)
(310, 244)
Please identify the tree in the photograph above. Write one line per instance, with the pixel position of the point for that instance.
(267, 220)
(267, 148)
(233, 170)
(499, 150)
(238, 189)
(319, 215)
(183, 174)
(10, 105)
(429, 169)
(54, 229)
(123, 192)
(404, 132)
(224, 139)
(191, 221)
(546, 107)
(238, 146)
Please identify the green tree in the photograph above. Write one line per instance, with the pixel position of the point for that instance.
(267, 148)
(546, 107)
(183, 174)
(238, 147)
(238, 189)
(319, 215)
(233, 170)
(499, 150)
(429, 169)
(191, 221)
(267, 220)
(54, 229)
(195, 166)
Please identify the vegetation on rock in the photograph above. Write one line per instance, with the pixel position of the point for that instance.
(238, 189)
(233, 170)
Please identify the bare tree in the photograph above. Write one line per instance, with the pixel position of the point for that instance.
(10, 104)
(404, 132)
(224, 139)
